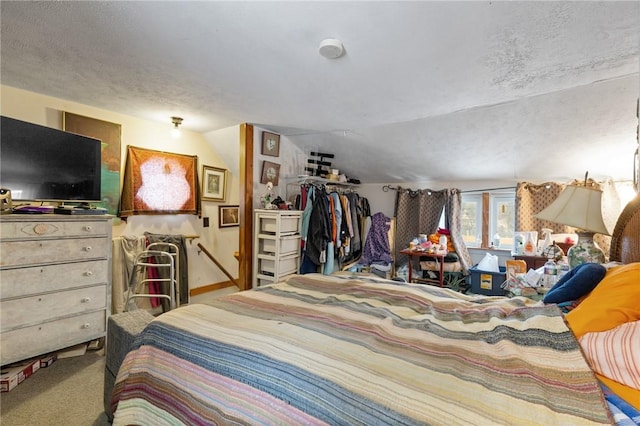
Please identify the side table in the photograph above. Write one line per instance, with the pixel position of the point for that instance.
(439, 258)
(533, 262)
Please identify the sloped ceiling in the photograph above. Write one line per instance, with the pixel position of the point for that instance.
(425, 91)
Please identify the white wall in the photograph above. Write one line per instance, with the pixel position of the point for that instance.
(292, 162)
(222, 243)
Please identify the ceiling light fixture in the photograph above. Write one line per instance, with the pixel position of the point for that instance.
(331, 48)
(175, 132)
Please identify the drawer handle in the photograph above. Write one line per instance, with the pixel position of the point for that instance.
(86, 325)
(88, 274)
(88, 228)
(87, 248)
(40, 229)
(86, 300)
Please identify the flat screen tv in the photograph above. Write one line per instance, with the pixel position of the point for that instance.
(39, 163)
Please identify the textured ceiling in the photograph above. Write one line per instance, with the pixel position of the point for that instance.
(425, 91)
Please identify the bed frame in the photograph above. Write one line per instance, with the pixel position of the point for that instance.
(625, 241)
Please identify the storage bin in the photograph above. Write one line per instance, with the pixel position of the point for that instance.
(288, 224)
(262, 282)
(487, 283)
(286, 265)
(290, 244)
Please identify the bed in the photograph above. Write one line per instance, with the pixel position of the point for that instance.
(345, 350)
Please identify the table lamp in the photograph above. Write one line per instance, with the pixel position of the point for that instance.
(579, 206)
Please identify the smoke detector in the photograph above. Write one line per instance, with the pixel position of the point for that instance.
(331, 48)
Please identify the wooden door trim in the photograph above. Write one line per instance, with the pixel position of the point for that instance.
(246, 207)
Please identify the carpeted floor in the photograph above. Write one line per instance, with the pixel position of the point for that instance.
(67, 393)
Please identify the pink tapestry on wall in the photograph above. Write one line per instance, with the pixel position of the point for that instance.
(157, 182)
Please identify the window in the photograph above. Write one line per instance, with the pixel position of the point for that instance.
(500, 216)
(471, 222)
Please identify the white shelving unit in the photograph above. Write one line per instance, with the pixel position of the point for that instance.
(276, 245)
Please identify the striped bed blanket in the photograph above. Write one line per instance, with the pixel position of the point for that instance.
(335, 350)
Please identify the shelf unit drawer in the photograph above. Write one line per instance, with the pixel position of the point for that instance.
(287, 245)
(288, 224)
(263, 280)
(284, 265)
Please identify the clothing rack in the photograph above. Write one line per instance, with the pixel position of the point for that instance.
(318, 182)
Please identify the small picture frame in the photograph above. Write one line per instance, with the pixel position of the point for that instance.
(214, 183)
(228, 216)
(270, 172)
(270, 144)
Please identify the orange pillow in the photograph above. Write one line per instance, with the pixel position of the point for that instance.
(614, 301)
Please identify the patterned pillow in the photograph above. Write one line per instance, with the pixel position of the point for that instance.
(615, 353)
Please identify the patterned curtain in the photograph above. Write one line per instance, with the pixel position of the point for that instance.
(532, 199)
(453, 215)
(419, 212)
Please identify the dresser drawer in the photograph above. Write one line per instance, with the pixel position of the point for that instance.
(53, 229)
(25, 253)
(26, 342)
(50, 278)
(30, 310)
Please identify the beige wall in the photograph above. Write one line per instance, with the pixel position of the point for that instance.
(222, 243)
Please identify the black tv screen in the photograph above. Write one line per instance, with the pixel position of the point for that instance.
(44, 164)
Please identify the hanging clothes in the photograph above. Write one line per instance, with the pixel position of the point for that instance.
(319, 232)
(331, 226)
(337, 214)
(376, 246)
(183, 278)
(124, 251)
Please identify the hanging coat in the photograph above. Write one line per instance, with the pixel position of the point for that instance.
(319, 232)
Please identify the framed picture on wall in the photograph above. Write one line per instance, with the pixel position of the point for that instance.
(270, 172)
(158, 182)
(110, 135)
(270, 144)
(214, 183)
(228, 216)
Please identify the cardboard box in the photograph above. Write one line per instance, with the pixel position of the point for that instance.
(487, 283)
(12, 375)
(48, 360)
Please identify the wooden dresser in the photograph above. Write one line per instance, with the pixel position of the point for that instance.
(55, 282)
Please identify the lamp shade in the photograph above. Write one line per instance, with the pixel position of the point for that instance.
(577, 206)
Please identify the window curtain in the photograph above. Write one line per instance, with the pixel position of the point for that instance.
(453, 220)
(532, 198)
(418, 212)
